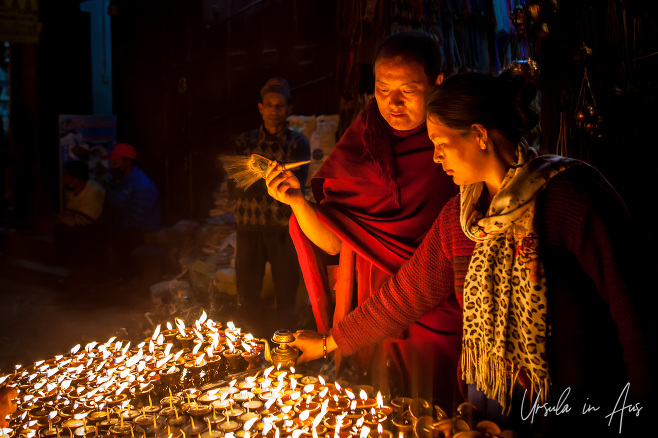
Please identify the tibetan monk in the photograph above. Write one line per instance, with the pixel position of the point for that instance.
(376, 196)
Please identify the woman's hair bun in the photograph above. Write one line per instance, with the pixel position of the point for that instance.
(520, 93)
(503, 102)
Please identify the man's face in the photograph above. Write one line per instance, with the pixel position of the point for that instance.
(401, 88)
(275, 110)
(119, 167)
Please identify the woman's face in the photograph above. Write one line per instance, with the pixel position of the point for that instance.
(459, 152)
(401, 87)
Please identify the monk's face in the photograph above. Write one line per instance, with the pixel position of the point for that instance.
(401, 88)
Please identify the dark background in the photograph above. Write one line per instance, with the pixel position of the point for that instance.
(186, 76)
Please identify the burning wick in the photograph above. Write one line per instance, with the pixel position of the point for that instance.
(50, 420)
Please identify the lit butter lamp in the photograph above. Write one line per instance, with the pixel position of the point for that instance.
(338, 425)
(210, 432)
(233, 356)
(169, 432)
(380, 432)
(214, 360)
(337, 422)
(379, 414)
(338, 404)
(142, 393)
(185, 335)
(208, 397)
(150, 424)
(171, 378)
(229, 424)
(194, 427)
(247, 429)
(169, 334)
(307, 405)
(253, 405)
(251, 356)
(52, 429)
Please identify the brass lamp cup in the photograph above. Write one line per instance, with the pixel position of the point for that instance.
(420, 408)
(125, 429)
(284, 354)
(405, 425)
(187, 342)
(171, 432)
(283, 337)
(234, 360)
(171, 381)
(141, 395)
(44, 433)
(215, 365)
(150, 424)
(253, 359)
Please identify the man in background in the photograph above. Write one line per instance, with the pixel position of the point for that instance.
(262, 222)
(132, 204)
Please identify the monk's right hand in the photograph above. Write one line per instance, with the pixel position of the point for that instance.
(283, 186)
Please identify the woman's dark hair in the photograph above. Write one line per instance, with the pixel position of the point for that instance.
(502, 102)
(412, 45)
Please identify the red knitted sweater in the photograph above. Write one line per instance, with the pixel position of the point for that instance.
(435, 271)
(585, 236)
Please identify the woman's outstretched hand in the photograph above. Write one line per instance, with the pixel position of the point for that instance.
(311, 345)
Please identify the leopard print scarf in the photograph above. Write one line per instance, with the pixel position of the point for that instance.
(506, 324)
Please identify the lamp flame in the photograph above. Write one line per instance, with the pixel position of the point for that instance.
(249, 423)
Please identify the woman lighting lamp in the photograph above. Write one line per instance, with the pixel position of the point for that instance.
(537, 250)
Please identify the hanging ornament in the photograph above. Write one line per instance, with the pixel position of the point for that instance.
(518, 19)
(586, 114)
(582, 54)
(538, 15)
(518, 47)
(526, 67)
(530, 21)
